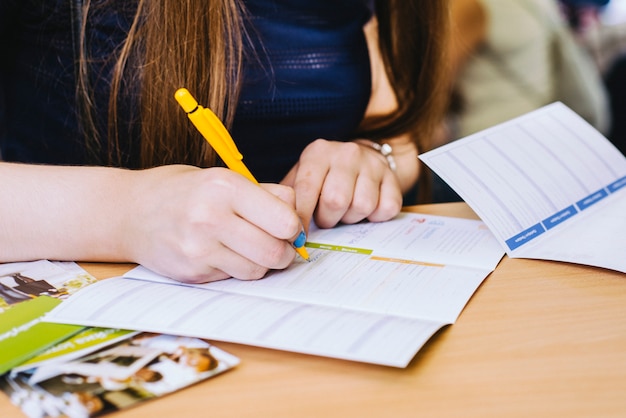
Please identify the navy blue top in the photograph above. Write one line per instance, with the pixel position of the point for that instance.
(313, 81)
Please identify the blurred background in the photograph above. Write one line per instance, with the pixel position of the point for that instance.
(508, 57)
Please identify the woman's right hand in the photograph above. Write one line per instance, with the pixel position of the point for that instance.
(200, 225)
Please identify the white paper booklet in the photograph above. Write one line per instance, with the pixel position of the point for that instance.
(373, 292)
(548, 185)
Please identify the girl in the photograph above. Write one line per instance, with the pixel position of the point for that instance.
(102, 165)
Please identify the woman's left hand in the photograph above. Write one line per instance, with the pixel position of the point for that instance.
(343, 182)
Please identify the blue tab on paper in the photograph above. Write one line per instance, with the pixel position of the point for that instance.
(616, 185)
(525, 236)
(559, 217)
(591, 199)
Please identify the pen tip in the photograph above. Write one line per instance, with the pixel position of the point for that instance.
(303, 253)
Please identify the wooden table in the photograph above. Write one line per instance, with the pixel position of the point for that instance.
(538, 339)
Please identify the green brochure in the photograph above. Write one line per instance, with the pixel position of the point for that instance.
(78, 345)
(23, 334)
(28, 291)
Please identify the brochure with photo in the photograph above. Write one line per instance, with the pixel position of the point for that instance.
(142, 367)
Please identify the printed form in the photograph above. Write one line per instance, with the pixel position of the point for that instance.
(373, 292)
(548, 185)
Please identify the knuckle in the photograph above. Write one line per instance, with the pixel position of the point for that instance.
(190, 251)
(287, 194)
(276, 255)
(363, 206)
(334, 200)
(291, 226)
(319, 145)
(387, 209)
(316, 149)
(221, 181)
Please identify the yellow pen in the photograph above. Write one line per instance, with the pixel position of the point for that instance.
(216, 134)
(212, 129)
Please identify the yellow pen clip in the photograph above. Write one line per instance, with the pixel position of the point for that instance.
(222, 132)
(214, 132)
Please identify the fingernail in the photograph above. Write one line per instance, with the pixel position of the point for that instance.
(300, 240)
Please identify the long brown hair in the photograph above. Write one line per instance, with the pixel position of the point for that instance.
(200, 45)
(411, 39)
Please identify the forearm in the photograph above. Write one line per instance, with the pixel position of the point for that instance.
(64, 213)
(384, 102)
(178, 220)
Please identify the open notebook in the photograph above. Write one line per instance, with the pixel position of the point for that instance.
(373, 292)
